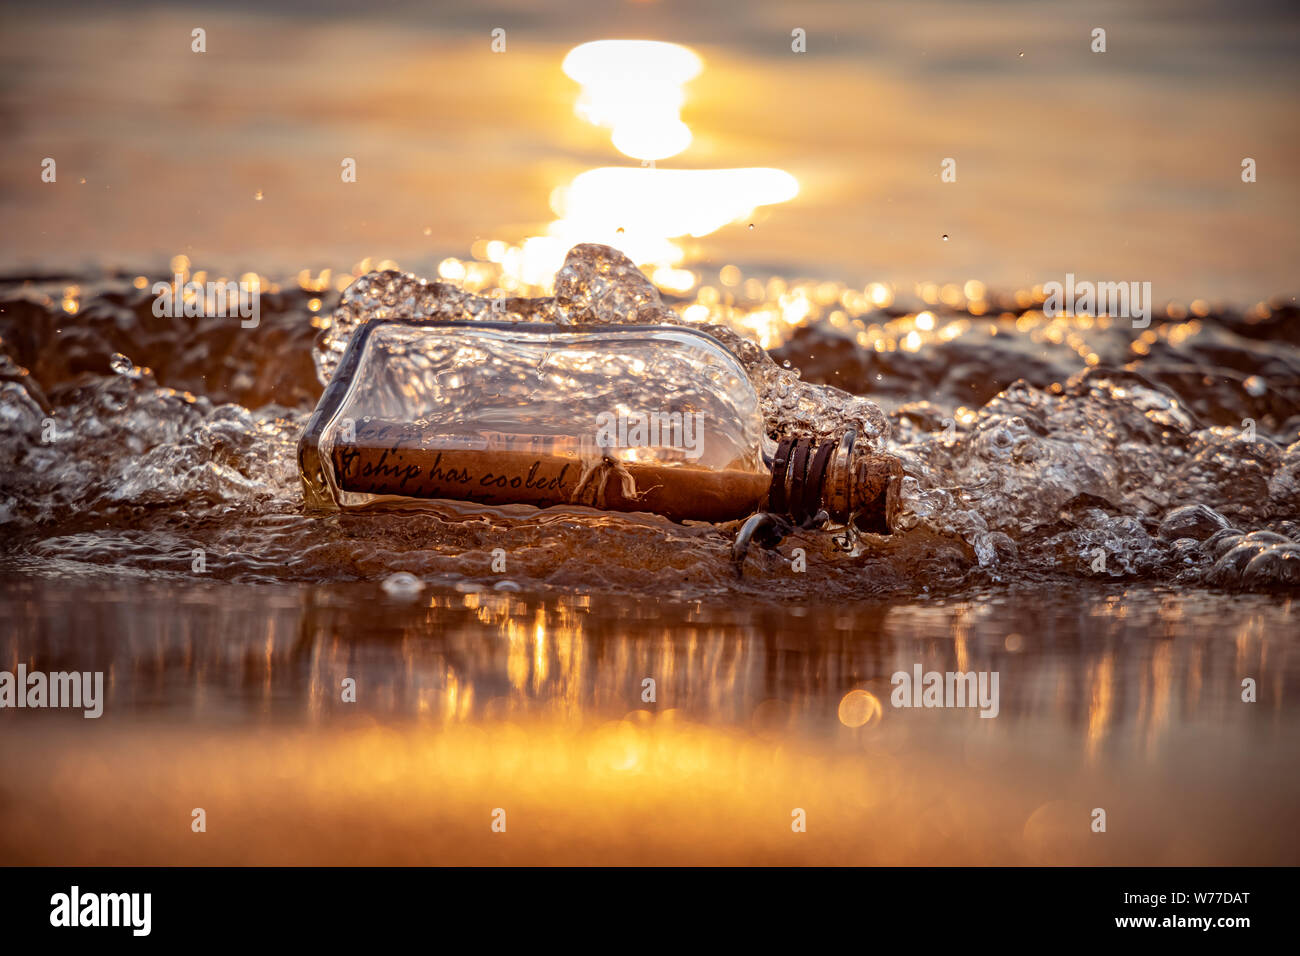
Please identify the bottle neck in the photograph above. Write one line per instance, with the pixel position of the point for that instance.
(808, 477)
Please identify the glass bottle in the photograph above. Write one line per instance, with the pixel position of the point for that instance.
(624, 418)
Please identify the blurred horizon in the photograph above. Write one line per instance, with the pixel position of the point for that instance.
(1122, 166)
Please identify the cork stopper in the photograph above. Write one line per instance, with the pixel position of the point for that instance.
(862, 489)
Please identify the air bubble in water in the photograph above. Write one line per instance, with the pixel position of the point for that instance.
(120, 364)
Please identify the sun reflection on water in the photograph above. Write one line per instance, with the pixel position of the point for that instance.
(469, 701)
(635, 88)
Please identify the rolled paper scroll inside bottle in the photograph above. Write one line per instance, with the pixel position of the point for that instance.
(395, 460)
(402, 460)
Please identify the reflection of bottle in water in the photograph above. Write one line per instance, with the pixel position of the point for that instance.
(660, 419)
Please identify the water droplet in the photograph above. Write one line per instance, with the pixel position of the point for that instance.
(428, 231)
(403, 585)
(751, 227)
(945, 237)
(258, 195)
(1255, 386)
(120, 364)
(1022, 52)
(620, 230)
(786, 363)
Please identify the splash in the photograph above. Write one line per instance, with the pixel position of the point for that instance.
(600, 286)
(1036, 450)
